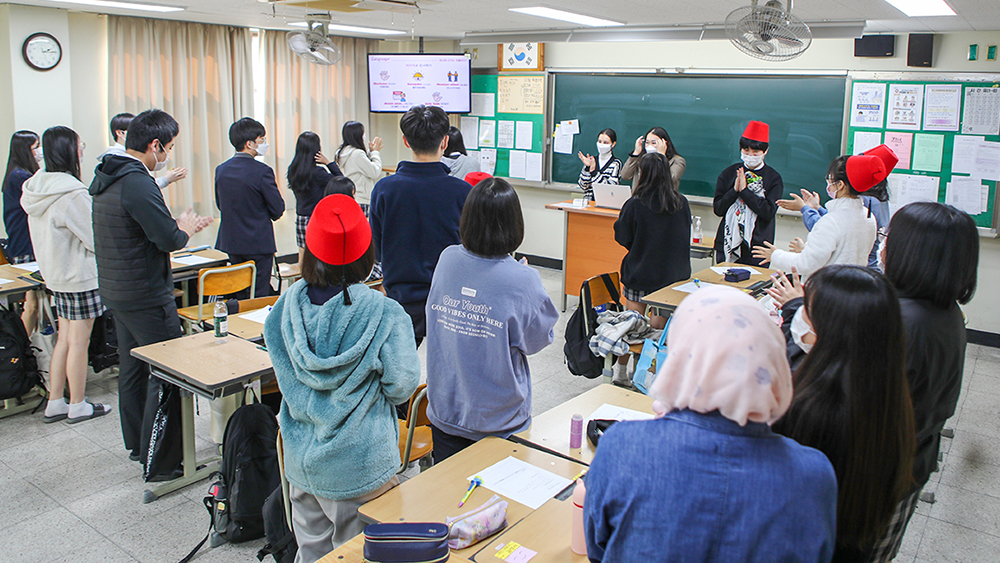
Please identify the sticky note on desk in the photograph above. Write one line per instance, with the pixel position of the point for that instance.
(513, 552)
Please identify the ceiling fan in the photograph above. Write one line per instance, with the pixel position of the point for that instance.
(768, 32)
(314, 44)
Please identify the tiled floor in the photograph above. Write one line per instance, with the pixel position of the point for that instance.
(70, 494)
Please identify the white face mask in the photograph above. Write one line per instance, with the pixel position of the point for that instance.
(39, 156)
(161, 165)
(262, 149)
(831, 190)
(800, 328)
(752, 161)
(650, 148)
(603, 148)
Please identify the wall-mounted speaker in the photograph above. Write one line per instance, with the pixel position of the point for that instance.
(875, 46)
(920, 49)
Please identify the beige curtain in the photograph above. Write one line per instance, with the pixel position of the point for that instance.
(200, 74)
(302, 96)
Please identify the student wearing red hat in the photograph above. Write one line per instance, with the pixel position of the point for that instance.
(844, 235)
(746, 196)
(343, 355)
(875, 200)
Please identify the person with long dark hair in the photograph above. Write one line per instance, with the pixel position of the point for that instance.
(852, 400)
(22, 162)
(307, 176)
(486, 313)
(602, 169)
(360, 160)
(655, 227)
(456, 158)
(656, 140)
(59, 216)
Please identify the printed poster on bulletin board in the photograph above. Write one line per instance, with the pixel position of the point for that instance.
(520, 94)
(867, 105)
(906, 103)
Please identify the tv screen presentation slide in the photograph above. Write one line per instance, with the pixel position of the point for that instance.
(398, 82)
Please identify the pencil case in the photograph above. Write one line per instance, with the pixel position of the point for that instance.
(406, 542)
(477, 524)
(737, 275)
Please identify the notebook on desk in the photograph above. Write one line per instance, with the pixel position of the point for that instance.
(611, 196)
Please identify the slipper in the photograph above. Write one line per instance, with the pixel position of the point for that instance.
(54, 418)
(99, 410)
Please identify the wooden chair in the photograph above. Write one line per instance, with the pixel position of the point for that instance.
(219, 281)
(290, 272)
(285, 495)
(599, 295)
(415, 439)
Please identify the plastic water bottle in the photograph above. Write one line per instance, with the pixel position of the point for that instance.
(221, 321)
(696, 236)
(578, 539)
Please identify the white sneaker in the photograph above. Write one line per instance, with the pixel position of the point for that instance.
(620, 375)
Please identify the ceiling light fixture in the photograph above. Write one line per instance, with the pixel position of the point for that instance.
(565, 16)
(354, 29)
(124, 5)
(922, 8)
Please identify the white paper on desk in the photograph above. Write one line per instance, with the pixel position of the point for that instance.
(517, 164)
(690, 287)
(522, 138)
(484, 105)
(5, 281)
(470, 131)
(533, 166)
(563, 143)
(192, 260)
(487, 133)
(964, 194)
(963, 155)
(505, 134)
(570, 126)
(864, 140)
(27, 266)
(612, 412)
(908, 188)
(522, 482)
(488, 161)
(721, 270)
(258, 316)
(987, 164)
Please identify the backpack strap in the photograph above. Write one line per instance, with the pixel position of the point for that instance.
(271, 549)
(209, 500)
(612, 289)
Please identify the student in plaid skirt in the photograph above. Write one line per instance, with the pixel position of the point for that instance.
(59, 218)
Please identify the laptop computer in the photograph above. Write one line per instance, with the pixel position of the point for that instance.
(612, 196)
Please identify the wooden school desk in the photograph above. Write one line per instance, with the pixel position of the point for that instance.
(19, 284)
(547, 531)
(354, 552)
(433, 495)
(589, 246)
(201, 366)
(668, 298)
(550, 431)
(187, 274)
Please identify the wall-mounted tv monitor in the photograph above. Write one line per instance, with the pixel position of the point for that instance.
(398, 82)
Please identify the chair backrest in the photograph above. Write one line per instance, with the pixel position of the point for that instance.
(225, 280)
(419, 416)
(285, 492)
(599, 294)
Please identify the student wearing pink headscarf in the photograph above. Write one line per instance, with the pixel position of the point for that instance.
(708, 480)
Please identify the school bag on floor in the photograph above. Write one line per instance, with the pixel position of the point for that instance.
(582, 324)
(103, 350)
(281, 542)
(18, 368)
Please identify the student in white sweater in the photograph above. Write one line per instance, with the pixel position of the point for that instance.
(360, 161)
(846, 234)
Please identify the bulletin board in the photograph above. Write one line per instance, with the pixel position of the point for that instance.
(508, 116)
(936, 128)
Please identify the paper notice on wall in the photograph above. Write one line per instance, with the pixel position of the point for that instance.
(469, 126)
(563, 144)
(521, 94)
(571, 126)
(906, 102)
(488, 161)
(523, 136)
(487, 133)
(963, 154)
(900, 143)
(484, 105)
(533, 166)
(867, 105)
(505, 134)
(517, 164)
(941, 103)
(864, 140)
(908, 188)
(928, 150)
(965, 194)
(987, 164)
(982, 111)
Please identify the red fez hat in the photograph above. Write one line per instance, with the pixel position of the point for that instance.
(864, 171)
(338, 232)
(886, 155)
(757, 131)
(476, 177)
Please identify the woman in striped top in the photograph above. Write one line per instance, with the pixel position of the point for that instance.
(603, 169)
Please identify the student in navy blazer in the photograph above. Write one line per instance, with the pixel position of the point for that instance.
(248, 197)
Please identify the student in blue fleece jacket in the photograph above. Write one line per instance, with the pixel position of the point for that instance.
(343, 355)
(486, 313)
(415, 213)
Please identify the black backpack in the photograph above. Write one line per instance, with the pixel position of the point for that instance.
(248, 473)
(582, 324)
(281, 542)
(18, 367)
(103, 350)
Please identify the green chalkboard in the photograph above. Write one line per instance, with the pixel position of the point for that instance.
(487, 84)
(705, 116)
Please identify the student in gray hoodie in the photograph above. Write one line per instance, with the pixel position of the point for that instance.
(59, 210)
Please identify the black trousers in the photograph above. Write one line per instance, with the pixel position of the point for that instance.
(418, 314)
(265, 265)
(447, 445)
(137, 391)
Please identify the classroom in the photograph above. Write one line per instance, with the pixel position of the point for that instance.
(541, 90)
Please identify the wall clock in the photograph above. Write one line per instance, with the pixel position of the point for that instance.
(41, 51)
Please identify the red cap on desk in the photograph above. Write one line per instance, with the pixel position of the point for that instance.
(338, 232)
(864, 171)
(476, 177)
(886, 155)
(757, 131)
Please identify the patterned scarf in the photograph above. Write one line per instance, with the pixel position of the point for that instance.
(741, 220)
